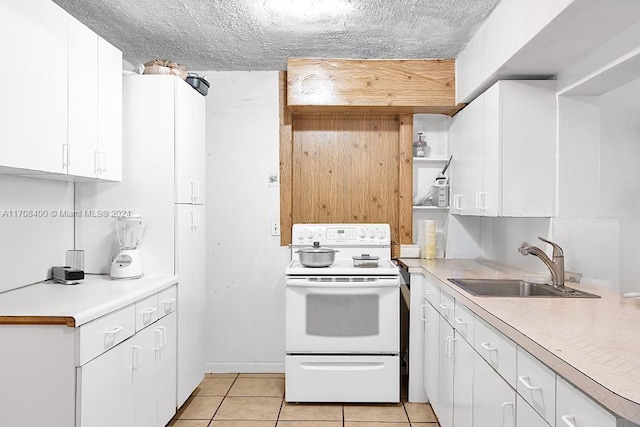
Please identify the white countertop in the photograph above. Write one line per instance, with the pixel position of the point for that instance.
(593, 343)
(44, 303)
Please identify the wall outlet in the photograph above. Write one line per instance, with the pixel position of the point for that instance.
(275, 228)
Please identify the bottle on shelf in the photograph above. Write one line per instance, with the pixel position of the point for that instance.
(420, 147)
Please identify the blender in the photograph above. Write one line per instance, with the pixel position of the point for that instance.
(130, 231)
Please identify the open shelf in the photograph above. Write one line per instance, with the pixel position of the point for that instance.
(430, 160)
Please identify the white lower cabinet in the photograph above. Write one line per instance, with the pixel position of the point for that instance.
(475, 376)
(446, 374)
(576, 409)
(431, 353)
(463, 383)
(133, 383)
(537, 385)
(166, 357)
(494, 401)
(105, 393)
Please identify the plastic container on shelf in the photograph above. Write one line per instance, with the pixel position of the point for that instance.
(441, 192)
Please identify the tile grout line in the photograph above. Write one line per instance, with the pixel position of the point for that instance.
(223, 398)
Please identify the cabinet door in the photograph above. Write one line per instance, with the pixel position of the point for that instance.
(574, 408)
(445, 374)
(526, 416)
(166, 357)
(431, 354)
(33, 42)
(466, 168)
(190, 151)
(105, 390)
(109, 156)
(190, 268)
(490, 198)
(463, 383)
(145, 376)
(493, 399)
(83, 99)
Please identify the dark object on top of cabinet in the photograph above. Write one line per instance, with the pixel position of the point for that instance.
(198, 83)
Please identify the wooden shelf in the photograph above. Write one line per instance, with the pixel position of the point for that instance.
(428, 160)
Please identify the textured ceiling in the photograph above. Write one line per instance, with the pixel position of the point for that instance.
(262, 34)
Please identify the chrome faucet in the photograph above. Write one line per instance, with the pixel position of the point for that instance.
(555, 265)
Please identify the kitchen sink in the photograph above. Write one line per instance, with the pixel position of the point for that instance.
(515, 288)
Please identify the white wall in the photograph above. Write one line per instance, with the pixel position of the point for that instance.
(599, 186)
(511, 25)
(245, 264)
(31, 246)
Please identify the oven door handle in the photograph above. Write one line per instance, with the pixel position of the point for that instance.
(343, 366)
(378, 283)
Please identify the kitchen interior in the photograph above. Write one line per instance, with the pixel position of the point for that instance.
(489, 142)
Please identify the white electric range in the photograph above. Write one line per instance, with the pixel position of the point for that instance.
(342, 322)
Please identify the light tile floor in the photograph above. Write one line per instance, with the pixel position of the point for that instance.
(257, 400)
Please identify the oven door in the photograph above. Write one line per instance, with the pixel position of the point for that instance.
(337, 316)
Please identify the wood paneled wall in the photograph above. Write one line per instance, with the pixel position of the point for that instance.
(346, 168)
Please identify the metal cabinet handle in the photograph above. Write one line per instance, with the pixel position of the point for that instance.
(136, 354)
(168, 304)
(195, 219)
(158, 334)
(483, 200)
(113, 331)
(195, 191)
(569, 420)
(450, 350)
(487, 346)
(504, 405)
(423, 315)
(460, 322)
(525, 382)
(66, 154)
(457, 201)
(149, 311)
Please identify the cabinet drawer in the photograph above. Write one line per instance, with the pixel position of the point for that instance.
(498, 350)
(168, 300)
(101, 334)
(537, 385)
(146, 312)
(576, 409)
(463, 321)
(431, 293)
(446, 306)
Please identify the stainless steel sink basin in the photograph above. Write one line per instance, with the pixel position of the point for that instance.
(515, 288)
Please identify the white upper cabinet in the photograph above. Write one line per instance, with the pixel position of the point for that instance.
(466, 147)
(189, 145)
(83, 100)
(108, 157)
(33, 83)
(62, 95)
(504, 146)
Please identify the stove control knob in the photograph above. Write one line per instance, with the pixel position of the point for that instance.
(309, 234)
(382, 234)
(363, 233)
(372, 234)
(300, 235)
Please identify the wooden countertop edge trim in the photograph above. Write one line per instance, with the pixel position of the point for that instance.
(38, 320)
